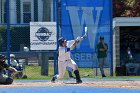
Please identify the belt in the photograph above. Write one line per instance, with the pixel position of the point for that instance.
(65, 60)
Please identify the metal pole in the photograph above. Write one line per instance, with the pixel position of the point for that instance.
(54, 10)
(8, 32)
(111, 38)
(55, 63)
(57, 24)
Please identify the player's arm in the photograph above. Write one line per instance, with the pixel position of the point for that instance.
(100, 48)
(73, 45)
(105, 47)
(17, 64)
(78, 39)
(5, 65)
(74, 42)
(12, 69)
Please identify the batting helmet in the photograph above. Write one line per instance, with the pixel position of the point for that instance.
(2, 58)
(61, 41)
(12, 56)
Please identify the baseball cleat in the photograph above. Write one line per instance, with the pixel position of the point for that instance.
(53, 79)
(103, 76)
(78, 81)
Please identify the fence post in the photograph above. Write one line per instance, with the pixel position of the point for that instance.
(8, 32)
(55, 63)
(44, 65)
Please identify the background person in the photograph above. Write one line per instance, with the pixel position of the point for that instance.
(4, 79)
(13, 62)
(102, 48)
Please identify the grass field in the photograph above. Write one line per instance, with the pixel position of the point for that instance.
(34, 73)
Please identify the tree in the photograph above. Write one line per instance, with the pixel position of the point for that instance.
(46, 10)
(125, 8)
(118, 8)
(135, 11)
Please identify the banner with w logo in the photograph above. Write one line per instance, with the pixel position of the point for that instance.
(96, 15)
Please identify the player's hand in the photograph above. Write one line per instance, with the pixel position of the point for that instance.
(12, 69)
(84, 36)
(78, 39)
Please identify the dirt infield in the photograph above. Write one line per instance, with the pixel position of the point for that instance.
(130, 84)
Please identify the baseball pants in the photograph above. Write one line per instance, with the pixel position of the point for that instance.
(62, 67)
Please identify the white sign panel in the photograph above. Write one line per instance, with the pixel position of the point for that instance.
(43, 36)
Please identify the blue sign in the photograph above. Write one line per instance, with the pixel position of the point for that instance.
(96, 16)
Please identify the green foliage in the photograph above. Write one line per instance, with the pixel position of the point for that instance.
(2, 29)
(126, 8)
(18, 35)
(34, 73)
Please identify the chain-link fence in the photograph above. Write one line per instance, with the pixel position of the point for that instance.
(34, 64)
(15, 18)
(15, 35)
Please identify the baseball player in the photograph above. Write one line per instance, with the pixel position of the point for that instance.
(3, 65)
(13, 62)
(64, 59)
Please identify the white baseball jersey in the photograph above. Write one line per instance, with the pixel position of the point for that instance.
(64, 60)
(64, 52)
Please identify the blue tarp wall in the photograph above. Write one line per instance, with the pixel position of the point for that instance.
(96, 15)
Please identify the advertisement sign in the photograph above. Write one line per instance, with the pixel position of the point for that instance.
(43, 36)
(96, 17)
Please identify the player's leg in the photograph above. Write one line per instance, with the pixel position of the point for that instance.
(74, 66)
(101, 64)
(5, 80)
(104, 64)
(61, 71)
(70, 70)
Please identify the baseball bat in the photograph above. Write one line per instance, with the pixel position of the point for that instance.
(85, 30)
